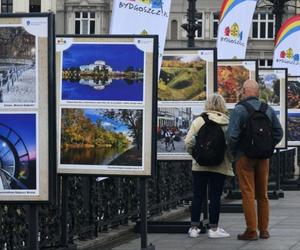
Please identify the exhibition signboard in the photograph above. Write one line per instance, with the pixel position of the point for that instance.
(26, 89)
(106, 88)
(273, 91)
(187, 77)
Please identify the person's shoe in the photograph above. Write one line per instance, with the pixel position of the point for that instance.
(194, 232)
(248, 235)
(219, 233)
(264, 235)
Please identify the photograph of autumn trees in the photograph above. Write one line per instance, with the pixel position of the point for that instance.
(101, 136)
(103, 72)
(293, 92)
(269, 87)
(293, 127)
(182, 78)
(230, 81)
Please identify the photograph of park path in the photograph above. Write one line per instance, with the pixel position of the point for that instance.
(101, 136)
(103, 72)
(182, 78)
(230, 81)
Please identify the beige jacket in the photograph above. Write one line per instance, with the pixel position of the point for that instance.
(225, 167)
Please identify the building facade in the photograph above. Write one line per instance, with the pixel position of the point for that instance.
(93, 17)
(18, 6)
(83, 16)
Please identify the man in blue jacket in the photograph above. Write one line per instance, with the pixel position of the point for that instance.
(252, 173)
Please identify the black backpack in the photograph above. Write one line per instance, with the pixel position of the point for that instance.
(210, 146)
(257, 137)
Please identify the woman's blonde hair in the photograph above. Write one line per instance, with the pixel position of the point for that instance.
(216, 102)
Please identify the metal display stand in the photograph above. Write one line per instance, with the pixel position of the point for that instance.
(33, 227)
(176, 226)
(143, 225)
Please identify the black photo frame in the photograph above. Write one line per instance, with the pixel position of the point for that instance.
(113, 83)
(191, 71)
(279, 102)
(28, 172)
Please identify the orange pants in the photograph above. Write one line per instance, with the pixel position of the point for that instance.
(253, 177)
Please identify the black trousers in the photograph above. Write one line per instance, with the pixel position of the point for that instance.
(215, 184)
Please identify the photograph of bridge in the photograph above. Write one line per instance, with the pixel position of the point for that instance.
(101, 137)
(103, 72)
(17, 66)
(18, 166)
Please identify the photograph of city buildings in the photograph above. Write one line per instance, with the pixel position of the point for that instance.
(103, 72)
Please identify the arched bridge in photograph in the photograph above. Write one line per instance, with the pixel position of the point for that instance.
(14, 159)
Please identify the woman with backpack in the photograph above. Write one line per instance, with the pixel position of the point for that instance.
(206, 143)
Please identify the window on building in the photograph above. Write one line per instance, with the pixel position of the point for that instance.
(35, 6)
(7, 6)
(174, 30)
(84, 22)
(265, 63)
(263, 26)
(215, 24)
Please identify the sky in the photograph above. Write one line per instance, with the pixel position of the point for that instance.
(25, 126)
(118, 56)
(107, 123)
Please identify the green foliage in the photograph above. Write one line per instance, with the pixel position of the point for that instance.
(182, 83)
(79, 131)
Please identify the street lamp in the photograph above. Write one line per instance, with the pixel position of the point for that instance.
(191, 26)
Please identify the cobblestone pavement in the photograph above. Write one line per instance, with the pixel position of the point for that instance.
(284, 230)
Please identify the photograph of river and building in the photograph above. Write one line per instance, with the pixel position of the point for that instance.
(17, 66)
(101, 136)
(230, 79)
(17, 151)
(293, 92)
(269, 87)
(172, 126)
(293, 127)
(182, 78)
(103, 72)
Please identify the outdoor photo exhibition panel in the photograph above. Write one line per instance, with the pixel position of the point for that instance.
(231, 74)
(187, 77)
(293, 120)
(106, 104)
(25, 82)
(272, 90)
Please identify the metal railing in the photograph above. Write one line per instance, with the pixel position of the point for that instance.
(98, 206)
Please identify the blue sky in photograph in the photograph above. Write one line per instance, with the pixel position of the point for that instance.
(118, 56)
(25, 126)
(107, 123)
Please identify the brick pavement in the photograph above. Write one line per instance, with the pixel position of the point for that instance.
(284, 230)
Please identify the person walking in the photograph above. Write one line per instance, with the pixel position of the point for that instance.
(212, 177)
(252, 172)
